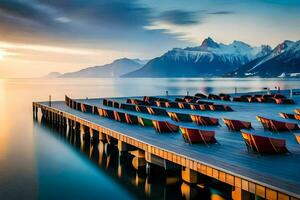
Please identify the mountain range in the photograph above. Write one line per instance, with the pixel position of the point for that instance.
(207, 60)
(115, 69)
(210, 59)
(282, 61)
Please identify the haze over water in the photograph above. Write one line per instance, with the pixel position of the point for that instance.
(36, 163)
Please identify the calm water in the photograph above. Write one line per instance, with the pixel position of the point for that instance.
(40, 162)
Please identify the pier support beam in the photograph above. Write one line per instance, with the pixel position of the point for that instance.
(94, 134)
(124, 147)
(188, 175)
(138, 161)
(188, 191)
(161, 162)
(102, 137)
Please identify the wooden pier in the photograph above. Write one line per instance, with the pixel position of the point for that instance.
(267, 176)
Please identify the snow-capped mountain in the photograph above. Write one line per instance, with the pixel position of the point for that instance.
(282, 61)
(115, 69)
(208, 59)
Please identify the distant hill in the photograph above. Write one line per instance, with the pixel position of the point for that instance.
(207, 60)
(52, 75)
(115, 69)
(282, 61)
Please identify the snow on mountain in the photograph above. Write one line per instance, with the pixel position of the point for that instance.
(208, 59)
(282, 61)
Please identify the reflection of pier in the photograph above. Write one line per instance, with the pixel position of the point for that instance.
(143, 179)
(97, 137)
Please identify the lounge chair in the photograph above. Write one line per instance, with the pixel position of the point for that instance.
(263, 144)
(180, 117)
(204, 120)
(236, 125)
(276, 126)
(164, 126)
(192, 136)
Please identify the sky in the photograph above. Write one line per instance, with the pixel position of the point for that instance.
(42, 36)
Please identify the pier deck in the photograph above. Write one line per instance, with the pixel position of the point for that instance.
(268, 176)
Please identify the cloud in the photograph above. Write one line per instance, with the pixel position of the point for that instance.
(180, 17)
(221, 13)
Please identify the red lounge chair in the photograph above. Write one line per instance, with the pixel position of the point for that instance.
(77, 106)
(275, 126)
(105, 102)
(110, 103)
(142, 109)
(188, 98)
(193, 136)
(215, 107)
(268, 98)
(201, 96)
(137, 102)
(252, 99)
(242, 98)
(297, 111)
(205, 121)
(287, 115)
(67, 100)
(88, 108)
(83, 109)
(145, 122)
(153, 99)
(279, 96)
(195, 106)
(236, 125)
(120, 117)
(95, 110)
(224, 97)
(172, 104)
(284, 101)
(161, 104)
(116, 104)
(204, 107)
(184, 105)
(126, 106)
(106, 113)
(179, 100)
(157, 111)
(131, 119)
(180, 117)
(164, 126)
(262, 144)
(214, 97)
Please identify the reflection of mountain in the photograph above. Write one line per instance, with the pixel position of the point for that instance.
(208, 59)
(115, 69)
(282, 61)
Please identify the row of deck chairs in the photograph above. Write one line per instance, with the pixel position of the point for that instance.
(255, 143)
(266, 98)
(179, 103)
(80, 106)
(221, 96)
(261, 98)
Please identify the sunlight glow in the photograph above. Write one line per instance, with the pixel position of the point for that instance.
(2, 54)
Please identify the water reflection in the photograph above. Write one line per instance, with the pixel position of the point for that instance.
(154, 184)
(34, 164)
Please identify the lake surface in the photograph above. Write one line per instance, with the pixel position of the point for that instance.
(38, 162)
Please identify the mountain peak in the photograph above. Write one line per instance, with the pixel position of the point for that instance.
(209, 42)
